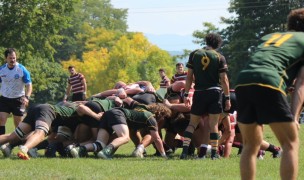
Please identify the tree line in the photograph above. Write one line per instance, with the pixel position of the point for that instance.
(92, 35)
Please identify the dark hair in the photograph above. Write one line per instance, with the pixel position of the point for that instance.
(9, 51)
(70, 67)
(161, 70)
(179, 64)
(214, 40)
(295, 20)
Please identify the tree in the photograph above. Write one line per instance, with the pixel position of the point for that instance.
(251, 21)
(130, 58)
(49, 80)
(92, 67)
(32, 26)
(201, 34)
(88, 16)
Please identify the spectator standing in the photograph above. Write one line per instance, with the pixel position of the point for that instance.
(76, 85)
(180, 75)
(165, 81)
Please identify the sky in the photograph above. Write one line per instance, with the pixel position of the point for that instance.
(170, 23)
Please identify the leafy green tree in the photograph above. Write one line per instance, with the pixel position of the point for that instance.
(88, 16)
(49, 80)
(251, 21)
(33, 26)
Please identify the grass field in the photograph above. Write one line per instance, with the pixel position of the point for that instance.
(125, 167)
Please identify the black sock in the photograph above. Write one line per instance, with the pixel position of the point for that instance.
(271, 148)
(42, 145)
(2, 130)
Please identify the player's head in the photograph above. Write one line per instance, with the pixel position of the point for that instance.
(162, 72)
(295, 20)
(213, 40)
(72, 69)
(159, 110)
(179, 67)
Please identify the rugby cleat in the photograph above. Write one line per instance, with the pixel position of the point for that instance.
(104, 154)
(33, 152)
(78, 152)
(23, 155)
(278, 152)
(261, 154)
(215, 157)
(138, 152)
(6, 150)
(183, 156)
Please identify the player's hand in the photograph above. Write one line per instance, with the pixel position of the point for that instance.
(187, 102)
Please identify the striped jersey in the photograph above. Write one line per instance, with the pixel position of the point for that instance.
(76, 83)
(179, 77)
(13, 80)
(164, 81)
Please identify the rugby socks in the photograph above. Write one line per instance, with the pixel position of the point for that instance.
(272, 148)
(2, 130)
(214, 143)
(141, 147)
(42, 145)
(98, 146)
(203, 150)
(24, 149)
(186, 142)
(238, 145)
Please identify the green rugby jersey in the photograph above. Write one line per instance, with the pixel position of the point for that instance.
(65, 111)
(139, 117)
(207, 66)
(276, 61)
(106, 104)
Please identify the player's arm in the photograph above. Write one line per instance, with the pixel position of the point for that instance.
(298, 95)
(84, 82)
(67, 93)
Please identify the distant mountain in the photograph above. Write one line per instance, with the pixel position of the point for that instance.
(172, 42)
(175, 53)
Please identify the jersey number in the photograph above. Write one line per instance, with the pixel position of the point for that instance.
(205, 62)
(277, 40)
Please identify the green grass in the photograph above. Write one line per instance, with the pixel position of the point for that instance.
(125, 167)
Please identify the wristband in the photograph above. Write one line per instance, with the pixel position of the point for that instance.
(84, 92)
(186, 94)
(227, 97)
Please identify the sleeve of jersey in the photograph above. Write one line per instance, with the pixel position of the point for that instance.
(26, 76)
(81, 76)
(223, 65)
(152, 124)
(190, 60)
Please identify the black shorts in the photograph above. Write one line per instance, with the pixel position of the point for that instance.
(207, 102)
(42, 112)
(112, 117)
(71, 123)
(145, 98)
(88, 120)
(176, 124)
(11, 105)
(78, 97)
(262, 105)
